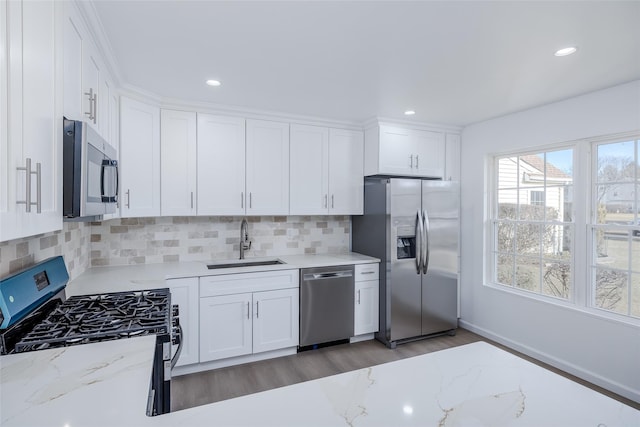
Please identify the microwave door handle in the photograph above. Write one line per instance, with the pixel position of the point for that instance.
(114, 163)
(104, 165)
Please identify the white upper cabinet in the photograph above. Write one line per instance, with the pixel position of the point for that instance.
(31, 119)
(326, 169)
(396, 150)
(267, 173)
(178, 163)
(309, 170)
(87, 86)
(221, 165)
(346, 175)
(139, 159)
(74, 37)
(452, 154)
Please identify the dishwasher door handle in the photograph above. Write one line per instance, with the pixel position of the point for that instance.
(331, 275)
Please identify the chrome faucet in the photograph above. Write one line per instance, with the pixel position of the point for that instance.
(245, 243)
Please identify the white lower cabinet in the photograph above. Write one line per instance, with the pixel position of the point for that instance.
(225, 325)
(184, 293)
(276, 319)
(239, 324)
(366, 299)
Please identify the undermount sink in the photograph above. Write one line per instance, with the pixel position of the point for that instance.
(245, 264)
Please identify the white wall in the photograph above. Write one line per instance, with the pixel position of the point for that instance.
(602, 351)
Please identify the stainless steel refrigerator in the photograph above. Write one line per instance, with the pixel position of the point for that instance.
(412, 226)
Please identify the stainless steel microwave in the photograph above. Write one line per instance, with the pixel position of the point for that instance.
(90, 173)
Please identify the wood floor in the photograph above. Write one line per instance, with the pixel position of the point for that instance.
(226, 383)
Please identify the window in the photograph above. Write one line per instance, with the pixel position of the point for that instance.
(615, 228)
(533, 223)
(533, 219)
(537, 198)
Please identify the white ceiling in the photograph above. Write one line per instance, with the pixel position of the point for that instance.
(453, 62)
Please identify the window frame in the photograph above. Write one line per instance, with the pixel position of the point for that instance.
(583, 286)
(494, 219)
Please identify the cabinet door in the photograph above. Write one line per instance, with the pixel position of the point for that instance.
(267, 168)
(366, 307)
(139, 159)
(452, 157)
(34, 128)
(309, 194)
(225, 326)
(397, 154)
(221, 165)
(90, 85)
(346, 172)
(184, 293)
(178, 163)
(72, 58)
(276, 318)
(429, 153)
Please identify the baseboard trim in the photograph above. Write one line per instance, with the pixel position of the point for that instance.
(561, 364)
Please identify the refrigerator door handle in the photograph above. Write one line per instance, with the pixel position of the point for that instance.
(425, 241)
(419, 241)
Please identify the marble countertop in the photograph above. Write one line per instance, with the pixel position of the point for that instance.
(149, 276)
(106, 384)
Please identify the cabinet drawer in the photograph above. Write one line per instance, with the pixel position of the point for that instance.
(227, 284)
(366, 272)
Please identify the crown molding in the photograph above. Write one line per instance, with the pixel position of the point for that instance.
(229, 110)
(435, 127)
(96, 30)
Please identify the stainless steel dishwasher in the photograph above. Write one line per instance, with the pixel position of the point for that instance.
(326, 304)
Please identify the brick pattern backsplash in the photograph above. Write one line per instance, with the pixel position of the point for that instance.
(72, 242)
(169, 239)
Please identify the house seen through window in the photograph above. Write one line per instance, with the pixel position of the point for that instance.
(534, 225)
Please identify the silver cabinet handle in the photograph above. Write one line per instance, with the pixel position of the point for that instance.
(27, 181)
(358, 296)
(417, 162)
(39, 187)
(332, 201)
(192, 200)
(250, 201)
(257, 309)
(242, 200)
(368, 272)
(325, 200)
(128, 199)
(91, 114)
(95, 108)
(248, 310)
(411, 161)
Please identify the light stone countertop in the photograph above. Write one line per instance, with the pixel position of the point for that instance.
(150, 276)
(106, 384)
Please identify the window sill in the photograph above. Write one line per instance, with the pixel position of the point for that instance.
(569, 305)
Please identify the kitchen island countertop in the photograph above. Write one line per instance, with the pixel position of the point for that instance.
(107, 383)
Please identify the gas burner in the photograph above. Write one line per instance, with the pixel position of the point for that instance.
(90, 318)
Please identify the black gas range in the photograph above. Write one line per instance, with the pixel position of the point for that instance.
(36, 315)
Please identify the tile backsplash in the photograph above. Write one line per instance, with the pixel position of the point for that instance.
(72, 242)
(168, 239)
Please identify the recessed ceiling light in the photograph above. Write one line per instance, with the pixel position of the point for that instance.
(409, 113)
(566, 51)
(213, 82)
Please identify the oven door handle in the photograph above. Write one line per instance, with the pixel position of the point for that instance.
(176, 356)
